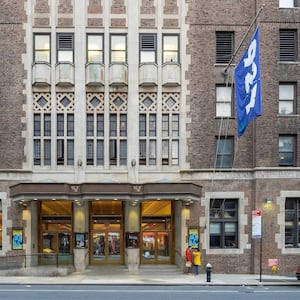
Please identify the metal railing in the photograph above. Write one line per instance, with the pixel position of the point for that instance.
(24, 260)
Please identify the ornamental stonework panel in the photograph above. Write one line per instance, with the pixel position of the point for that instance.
(171, 7)
(171, 102)
(65, 102)
(118, 102)
(147, 102)
(118, 7)
(95, 102)
(42, 102)
(41, 7)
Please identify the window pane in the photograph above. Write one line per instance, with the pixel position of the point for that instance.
(286, 143)
(142, 125)
(95, 48)
(286, 92)
(37, 125)
(118, 48)
(37, 152)
(286, 107)
(143, 152)
(147, 56)
(65, 56)
(100, 153)
(90, 152)
(70, 150)
(230, 227)
(90, 125)
(42, 48)
(286, 3)
(223, 110)
(47, 125)
(47, 152)
(123, 153)
(215, 228)
(170, 48)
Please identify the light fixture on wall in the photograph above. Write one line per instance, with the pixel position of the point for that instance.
(269, 200)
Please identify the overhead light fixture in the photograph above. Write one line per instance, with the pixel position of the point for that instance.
(269, 200)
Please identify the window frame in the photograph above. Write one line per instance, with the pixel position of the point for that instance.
(284, 4)
(100, 51)
(292, 100)
(35, 50)
(220, 155)
(111, 51)
(145, 46)
(292, 151)
(220, 215)
(292, 224)
(177, 50)
(224, 46)
(61, 49)
(220, 102)
(288, 45)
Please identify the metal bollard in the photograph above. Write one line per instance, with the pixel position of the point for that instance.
(208, 272)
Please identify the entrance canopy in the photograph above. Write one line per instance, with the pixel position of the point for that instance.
(184, 191)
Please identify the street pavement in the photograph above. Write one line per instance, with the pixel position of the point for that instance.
(145, 275)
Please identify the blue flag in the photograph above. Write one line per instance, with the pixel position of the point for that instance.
(248, 85)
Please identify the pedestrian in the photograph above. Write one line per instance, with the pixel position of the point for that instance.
(197, 260)
(188, 258)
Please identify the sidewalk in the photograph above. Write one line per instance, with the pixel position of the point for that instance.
(152, 275)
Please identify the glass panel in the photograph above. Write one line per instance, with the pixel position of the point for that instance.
(95, 48)
(99, 246)
(215, 228)
(170, 49)
(65, 56)
(42, 48)
(286, 92)
(230, 227)
(147, 56)
(64, 242)
(223, 110)
(286, 3)
(149, 245)
(163, 252)
(286, 107)
(48, 243)
(114, 245)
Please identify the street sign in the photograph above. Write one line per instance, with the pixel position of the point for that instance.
(256, 224)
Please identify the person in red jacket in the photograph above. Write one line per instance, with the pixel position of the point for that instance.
(188, 258)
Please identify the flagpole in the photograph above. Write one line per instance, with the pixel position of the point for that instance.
(242, 41)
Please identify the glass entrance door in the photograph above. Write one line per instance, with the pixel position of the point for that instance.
(106, 232)
(106, 247)
(156, 246)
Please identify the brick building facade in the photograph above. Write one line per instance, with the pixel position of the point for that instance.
(119, 139)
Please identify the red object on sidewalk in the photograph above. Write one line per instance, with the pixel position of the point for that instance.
(298, 273)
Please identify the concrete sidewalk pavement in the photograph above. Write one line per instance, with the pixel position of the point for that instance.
(119, 275)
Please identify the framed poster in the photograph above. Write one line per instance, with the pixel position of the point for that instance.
(81, 240)
(193, 236)
(17, 239)
(132, 239)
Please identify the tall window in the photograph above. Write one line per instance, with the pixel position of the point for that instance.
(118, 48)
(41, 48)
(288, 45)
(65, 139)
(170, 139)
(95, 139)
(223, 223)
(65, 47)
(287, 3)
(224, 101)
(147, 143)
(224, 152)
(118, 139)
(41, 139)
(287, 150)
(292, 222)
(95, 48)
(170, 48)
(287, 98)
(224, 46)
(147, 48)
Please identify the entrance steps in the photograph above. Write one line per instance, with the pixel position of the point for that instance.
(161, 269)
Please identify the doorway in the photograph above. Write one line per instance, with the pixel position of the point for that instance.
(107, 232)
(157, 232)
